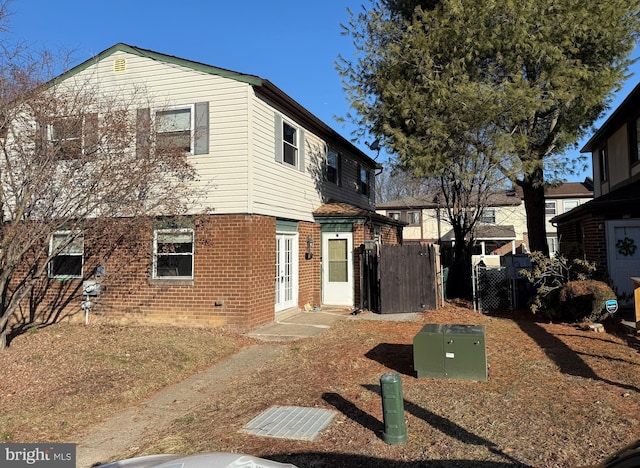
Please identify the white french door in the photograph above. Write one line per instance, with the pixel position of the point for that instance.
(286, 279)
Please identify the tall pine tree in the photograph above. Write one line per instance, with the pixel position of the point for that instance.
(517, 80)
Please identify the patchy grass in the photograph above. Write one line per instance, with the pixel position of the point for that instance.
(556, 395)
(64, 378)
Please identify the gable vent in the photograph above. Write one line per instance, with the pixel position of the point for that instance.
(120, 65)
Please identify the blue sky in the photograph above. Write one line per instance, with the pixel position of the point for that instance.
(292, 43)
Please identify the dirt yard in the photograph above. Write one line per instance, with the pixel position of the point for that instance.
(557, 395)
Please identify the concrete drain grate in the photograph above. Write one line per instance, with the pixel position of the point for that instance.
(290, 422)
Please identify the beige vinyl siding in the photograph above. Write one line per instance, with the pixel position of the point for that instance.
(505, 215)
(619, 170)
(284, 191)
(429, 226)
(515, 216)
(279, 189)
(222, 176)
(239, 174)
(560, 209)
(413, 232)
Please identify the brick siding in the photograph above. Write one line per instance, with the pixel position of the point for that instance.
(233, 283)
(594, 242)
(309, 265)
(585, 238)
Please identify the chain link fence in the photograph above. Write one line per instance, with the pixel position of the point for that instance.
(499, 289)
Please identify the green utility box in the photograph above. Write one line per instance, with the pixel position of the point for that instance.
(450, 352)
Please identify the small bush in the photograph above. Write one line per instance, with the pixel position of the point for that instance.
(580, 301)
(565, 290)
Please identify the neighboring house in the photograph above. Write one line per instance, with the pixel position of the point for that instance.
(501, 229)
(288, 195)
(562, 199)
(606, 230)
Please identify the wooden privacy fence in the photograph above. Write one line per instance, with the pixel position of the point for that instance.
(398, 278)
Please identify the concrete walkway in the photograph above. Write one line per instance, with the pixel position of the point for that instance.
(118, 434)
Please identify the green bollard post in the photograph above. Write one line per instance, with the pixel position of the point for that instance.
(395, 428)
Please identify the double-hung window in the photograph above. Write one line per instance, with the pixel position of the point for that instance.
(67, 249)
(174, 128)
(568, 205)
(289, 144)
(333, 167)
(173, 254)
(488, 216)
(413, 217)
(178, 128)
(394, 215)
(550, 208)
(363, 181)
(64, 135)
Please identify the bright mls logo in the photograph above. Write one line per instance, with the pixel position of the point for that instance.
(611, 306)
(38, 455)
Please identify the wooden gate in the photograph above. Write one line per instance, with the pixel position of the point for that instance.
(398, 278)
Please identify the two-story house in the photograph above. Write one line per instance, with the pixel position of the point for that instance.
(287, 201)
(606, 230)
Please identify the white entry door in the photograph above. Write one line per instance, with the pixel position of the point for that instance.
(286, 281)
(337, 268)
(623, 254)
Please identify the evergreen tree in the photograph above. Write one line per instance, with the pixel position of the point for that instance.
(516, 81)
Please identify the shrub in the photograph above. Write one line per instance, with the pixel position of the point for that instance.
(580, 301)
(565, 290)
